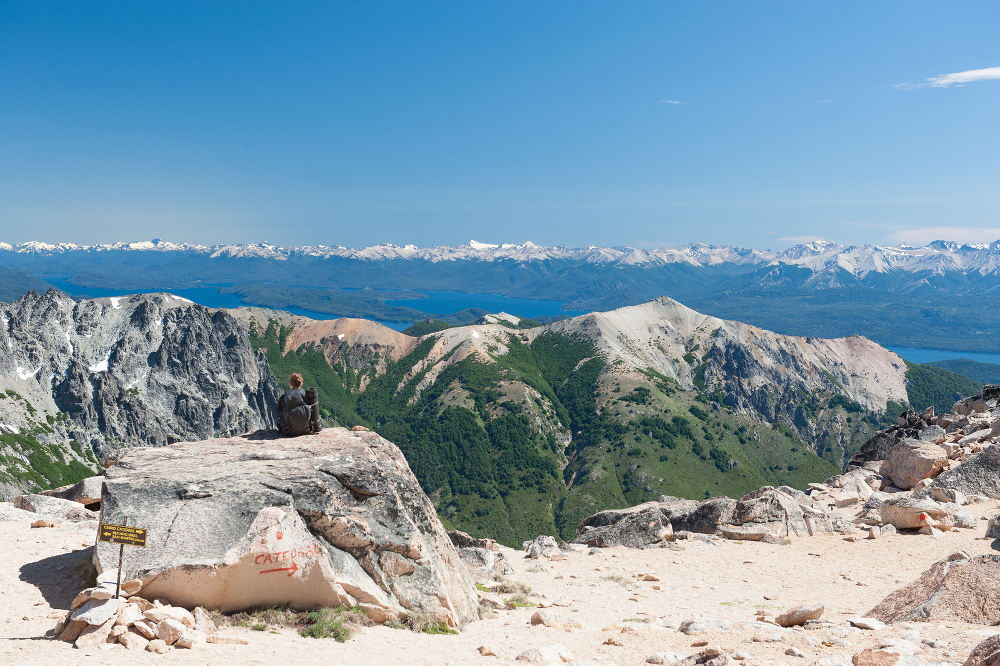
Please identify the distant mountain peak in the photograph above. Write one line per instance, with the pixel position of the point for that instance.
(818, 256)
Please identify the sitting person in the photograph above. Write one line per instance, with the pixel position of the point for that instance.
(298, 410)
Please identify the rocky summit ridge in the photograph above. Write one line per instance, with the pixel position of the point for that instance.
(79, 379)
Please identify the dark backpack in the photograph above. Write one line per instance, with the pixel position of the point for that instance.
(295, 413)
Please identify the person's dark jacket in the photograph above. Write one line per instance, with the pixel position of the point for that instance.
(294, 413)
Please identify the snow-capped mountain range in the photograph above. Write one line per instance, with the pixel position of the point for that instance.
(937, 257)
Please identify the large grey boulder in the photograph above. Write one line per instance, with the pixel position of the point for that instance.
(966, 590)
(49, 507)
(773, 512)
(708, 516)
(335, 518)
(637, 526)
(979, 475)
(86, 492)
(911, 460)
(909, 513)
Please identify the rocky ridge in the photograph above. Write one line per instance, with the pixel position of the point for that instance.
(112, 372)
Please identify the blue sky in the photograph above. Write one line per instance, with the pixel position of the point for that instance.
(577, 123)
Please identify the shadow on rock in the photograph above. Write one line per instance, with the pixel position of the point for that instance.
(264, 435)
(60, 577)
(995, 545)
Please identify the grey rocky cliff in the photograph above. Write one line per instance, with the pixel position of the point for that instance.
(330, 519)
(132, 371)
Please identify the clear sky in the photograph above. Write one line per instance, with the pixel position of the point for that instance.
(576, 123)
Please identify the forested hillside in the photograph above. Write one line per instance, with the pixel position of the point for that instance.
(534, 439)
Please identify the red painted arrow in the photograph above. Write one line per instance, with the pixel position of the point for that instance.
(292, 569)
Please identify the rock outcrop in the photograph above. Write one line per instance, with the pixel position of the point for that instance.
(91, 376)
(335, 518)
(966, 590)
(766, 513)
(978, 475)
(911, 460)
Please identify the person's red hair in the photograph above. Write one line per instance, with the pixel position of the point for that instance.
(295, 380)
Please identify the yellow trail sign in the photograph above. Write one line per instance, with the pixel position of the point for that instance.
(122, 534)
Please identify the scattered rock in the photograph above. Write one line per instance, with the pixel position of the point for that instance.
(461, 539)
(696, 626)
(203, 622)
(158, 614)
(546, 654)
(795, 652)
(800, 615)
(486, 651)
(190, 638)
(664, 658)
(542, 546)
(875, 657)
(554, 620)
(45, 522)
(98, 611)
(158, 646)
(95, 635)
(867, 623)
(130, 614)
(169, 631)
(145, 628)
(993, 527)
(132, 640)
(949, 495)
(225, 640)
(72, 630)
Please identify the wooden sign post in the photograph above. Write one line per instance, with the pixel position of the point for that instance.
(124, 535)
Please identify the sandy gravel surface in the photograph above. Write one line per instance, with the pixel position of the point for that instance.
(624, 619)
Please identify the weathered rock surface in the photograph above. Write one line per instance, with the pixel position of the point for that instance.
(986, 653)
(43, 505)
(793, 617)
(911, 460)
(907, 513)
(335, 518)
(86, 492)
(764, 513)
(979, 475)
(10, 512)
(967, 590)
(462, 539)
(126, 371)
(634, 527)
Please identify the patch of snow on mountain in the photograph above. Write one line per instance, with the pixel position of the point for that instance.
(24, 374)
(101, 366)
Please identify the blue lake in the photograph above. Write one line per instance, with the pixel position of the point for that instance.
(930, 355)
(437, 302)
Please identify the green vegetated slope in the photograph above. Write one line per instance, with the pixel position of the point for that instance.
(28, 462)
(541, 437)
(928, 385)
(986, 373)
